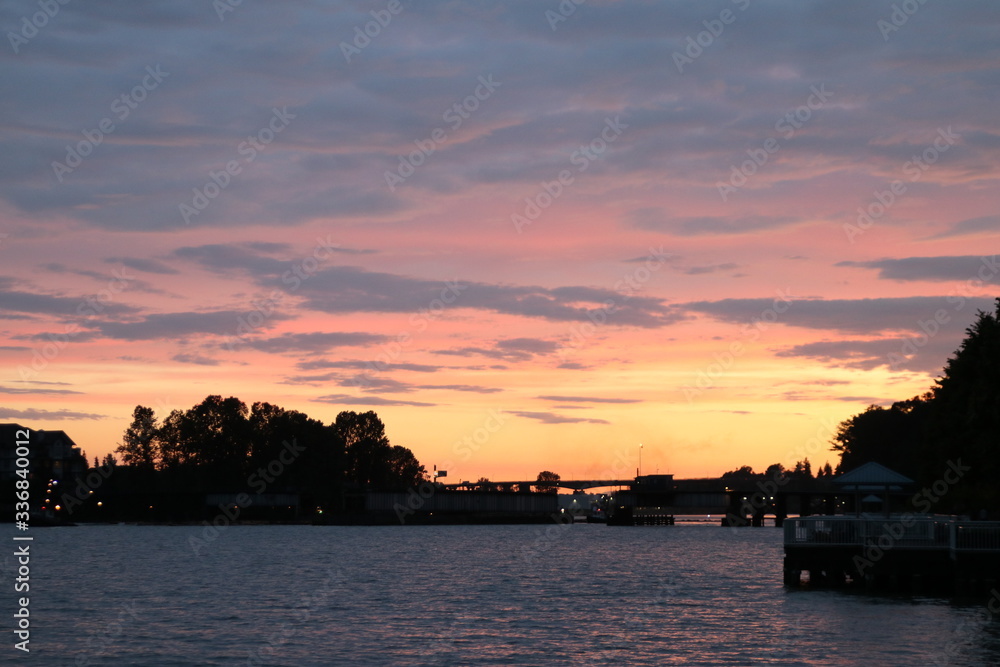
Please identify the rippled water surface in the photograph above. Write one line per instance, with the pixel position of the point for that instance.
(463, 595)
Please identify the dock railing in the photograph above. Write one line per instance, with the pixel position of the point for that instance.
(902, 531)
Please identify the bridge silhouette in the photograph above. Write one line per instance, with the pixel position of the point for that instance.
(740, 502)
(575, 484)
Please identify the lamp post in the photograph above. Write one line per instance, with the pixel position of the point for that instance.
(640, 459)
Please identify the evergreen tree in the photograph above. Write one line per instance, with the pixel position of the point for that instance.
(964, 421)
(952, 431)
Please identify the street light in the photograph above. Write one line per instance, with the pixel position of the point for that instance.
(640, 459)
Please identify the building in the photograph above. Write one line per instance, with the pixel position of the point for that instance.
(52, 456)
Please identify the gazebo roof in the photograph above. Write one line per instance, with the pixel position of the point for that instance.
(872, 475)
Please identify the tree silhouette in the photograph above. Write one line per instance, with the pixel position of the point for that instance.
(223, 435)
(741, 474)
(889, 436)
(964, 416)
(366, 446)
(176, 442)
(139, 444)
(546, 482)
(957, 421)
(484, 484)
(221, 446)
(404, 468)
(775, 471)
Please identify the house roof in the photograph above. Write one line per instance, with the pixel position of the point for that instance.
(872, 474)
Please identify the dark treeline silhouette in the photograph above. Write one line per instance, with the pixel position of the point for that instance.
(952, 430)
(220, 446)
(745, 475)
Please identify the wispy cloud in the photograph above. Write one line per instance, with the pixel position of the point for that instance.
(144, 264)
(553, 418)
(588, 399)
(850, 316)
(181, 325)
(197, 359)
(933, 269)
(346, 399)
(43, 415)
(353, 289)
(41, 391)
(314, 342)
(987, 224)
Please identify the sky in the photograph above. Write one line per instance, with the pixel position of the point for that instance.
(530, 235)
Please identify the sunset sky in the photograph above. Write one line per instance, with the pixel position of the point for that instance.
(530, 235)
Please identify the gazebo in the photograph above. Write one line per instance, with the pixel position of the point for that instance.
(872, 480)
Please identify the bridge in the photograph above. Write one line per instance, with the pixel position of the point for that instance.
(575, 484)
(736, 502)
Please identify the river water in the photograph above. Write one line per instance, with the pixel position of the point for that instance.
(461, 595)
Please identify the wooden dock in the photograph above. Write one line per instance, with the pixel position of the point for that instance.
(905, 552)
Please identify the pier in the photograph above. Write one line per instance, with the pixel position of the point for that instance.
(905, 552)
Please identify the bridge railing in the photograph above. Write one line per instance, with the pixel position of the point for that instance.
(902, 531)
(977, 536)
(899, 531)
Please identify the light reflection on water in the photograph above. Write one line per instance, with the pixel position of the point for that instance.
(466, 595)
